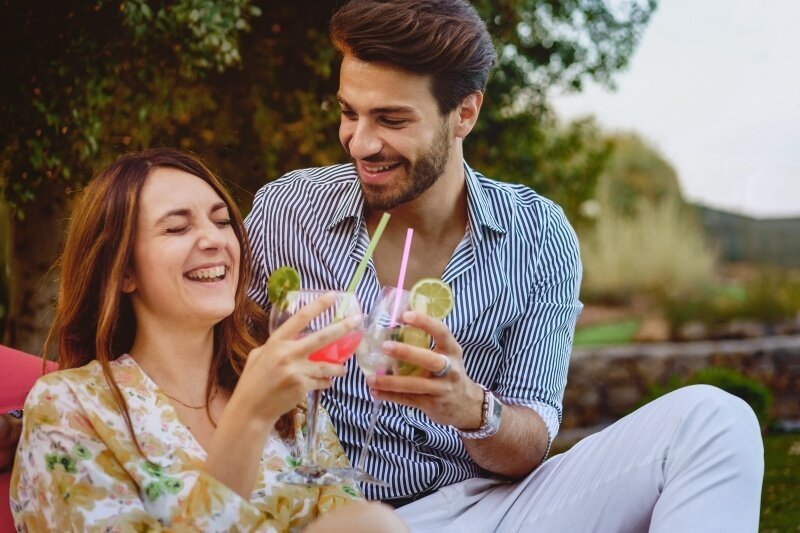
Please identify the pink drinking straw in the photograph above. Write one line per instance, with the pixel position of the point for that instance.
(401, 278)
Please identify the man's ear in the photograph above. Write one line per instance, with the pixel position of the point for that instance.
(467, 114)
(128, 281)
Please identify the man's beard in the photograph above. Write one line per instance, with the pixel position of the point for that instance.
(421, 175)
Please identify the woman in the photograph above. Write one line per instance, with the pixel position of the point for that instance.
(167, 412)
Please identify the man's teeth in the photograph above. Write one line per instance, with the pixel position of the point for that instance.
(207, 273)
(378, 169)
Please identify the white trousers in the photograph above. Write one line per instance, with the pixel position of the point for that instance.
(692, 460)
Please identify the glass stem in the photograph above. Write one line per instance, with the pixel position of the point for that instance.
(373, 420)
(312, 407)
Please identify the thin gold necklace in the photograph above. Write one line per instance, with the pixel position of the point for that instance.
(213, 395)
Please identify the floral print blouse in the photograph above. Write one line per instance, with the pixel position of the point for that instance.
(77, 469)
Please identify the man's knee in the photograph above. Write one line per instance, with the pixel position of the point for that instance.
(713, 405)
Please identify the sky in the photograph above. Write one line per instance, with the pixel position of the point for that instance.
(714, 86)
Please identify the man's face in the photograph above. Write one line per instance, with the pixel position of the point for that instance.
(392, 130)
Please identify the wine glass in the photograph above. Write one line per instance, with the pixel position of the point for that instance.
(346, 305)
(385, 323)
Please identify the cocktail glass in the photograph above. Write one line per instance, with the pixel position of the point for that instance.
(385, 323)
(310, 472)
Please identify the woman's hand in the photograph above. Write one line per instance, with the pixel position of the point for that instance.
(278, 374)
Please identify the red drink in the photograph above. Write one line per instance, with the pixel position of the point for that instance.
(340, 350)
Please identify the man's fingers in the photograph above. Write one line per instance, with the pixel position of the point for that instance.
(418, 401)
(408, 385)
(427, 359)
(437, 329)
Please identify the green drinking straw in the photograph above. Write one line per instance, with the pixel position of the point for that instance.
(362, 266)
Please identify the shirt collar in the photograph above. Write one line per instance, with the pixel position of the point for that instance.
(351, 203)
(480, 210)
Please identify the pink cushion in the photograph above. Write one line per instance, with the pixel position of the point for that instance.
(18, 372)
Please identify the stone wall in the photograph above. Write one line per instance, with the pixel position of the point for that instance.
(606, 383)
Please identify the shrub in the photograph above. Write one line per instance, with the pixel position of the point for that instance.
(771, 296)
(659, 250)
(751, 390)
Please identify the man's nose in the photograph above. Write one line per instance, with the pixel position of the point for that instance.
(364, 141)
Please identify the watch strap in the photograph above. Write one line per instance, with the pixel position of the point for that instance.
(490, 418)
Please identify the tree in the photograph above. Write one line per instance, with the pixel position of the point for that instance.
(252, 90)
(80, 79)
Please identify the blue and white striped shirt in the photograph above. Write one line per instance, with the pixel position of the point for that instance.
(515, 277)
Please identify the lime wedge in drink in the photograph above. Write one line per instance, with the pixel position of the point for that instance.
(438, 294)
(280, 282)
(414, 337)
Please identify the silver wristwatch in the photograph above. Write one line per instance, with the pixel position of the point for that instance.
(490, 422)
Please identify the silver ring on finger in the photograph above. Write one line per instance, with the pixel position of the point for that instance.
(445, 370)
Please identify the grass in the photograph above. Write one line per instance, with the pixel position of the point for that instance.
(611, 333)
(780, 499)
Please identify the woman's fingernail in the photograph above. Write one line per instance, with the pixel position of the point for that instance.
(388, 346)
(409, 316)
(370, 381)
(354, 321)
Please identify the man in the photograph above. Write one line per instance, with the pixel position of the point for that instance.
(448, 443)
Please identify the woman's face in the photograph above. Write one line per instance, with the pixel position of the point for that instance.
(185, 266)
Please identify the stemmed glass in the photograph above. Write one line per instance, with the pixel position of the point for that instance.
(310, 472)
(385, 323)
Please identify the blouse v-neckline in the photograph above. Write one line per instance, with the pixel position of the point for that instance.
(152, 386)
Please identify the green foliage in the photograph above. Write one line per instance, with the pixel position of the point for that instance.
(563, 162)
(621, 332)
(752, 391)
(93, 74)
(635, 173)
(658, 251)
(644, 239)
(771, 296)
(780, 500)
(544, 45)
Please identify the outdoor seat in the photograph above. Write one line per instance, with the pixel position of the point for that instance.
(18, 372)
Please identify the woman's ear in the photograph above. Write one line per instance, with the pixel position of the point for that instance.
(128, 281)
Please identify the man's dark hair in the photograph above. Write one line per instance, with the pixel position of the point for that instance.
(445, 39)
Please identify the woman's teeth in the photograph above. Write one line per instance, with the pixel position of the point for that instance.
(207, 274)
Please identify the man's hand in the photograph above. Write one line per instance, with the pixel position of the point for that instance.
(10, 429)
(453, 399)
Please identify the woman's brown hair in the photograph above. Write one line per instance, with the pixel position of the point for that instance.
(94, 319)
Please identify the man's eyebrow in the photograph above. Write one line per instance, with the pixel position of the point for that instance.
(381, 110)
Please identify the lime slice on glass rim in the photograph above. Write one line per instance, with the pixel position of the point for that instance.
(280, 282)
(432, 297)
